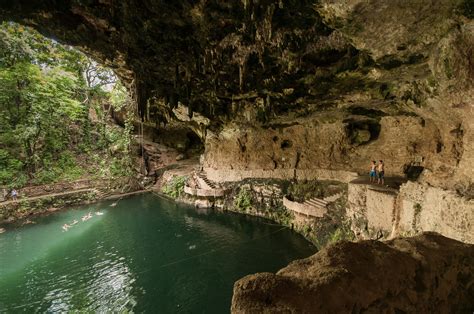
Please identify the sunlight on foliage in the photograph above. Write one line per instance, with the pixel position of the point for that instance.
(175, 187)
(47, 92)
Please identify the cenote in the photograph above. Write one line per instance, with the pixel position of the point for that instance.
(144, 254)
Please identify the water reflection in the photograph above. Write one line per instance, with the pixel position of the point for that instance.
(143, 254)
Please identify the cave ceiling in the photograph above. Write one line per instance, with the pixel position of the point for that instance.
(281, 56)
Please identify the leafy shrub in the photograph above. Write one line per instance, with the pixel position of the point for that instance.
(46, 176)
(243, 200)
(302, 191)
(342, 233)
(120, 167)
(10, 170)
(175, 187)
(48, 136)
(282, 215)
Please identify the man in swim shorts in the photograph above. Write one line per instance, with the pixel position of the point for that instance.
(372, 173)
(381, 172)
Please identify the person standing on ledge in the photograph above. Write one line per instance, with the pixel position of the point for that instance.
(372, 173)
(14, 195)
(381, 172)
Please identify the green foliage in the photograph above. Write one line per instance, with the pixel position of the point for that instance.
(119, 97)
(10, 169)
(243, 200)
(342, 233)
(46, 92)
(282, 215)
(302, 191)
(331, 234)
(63, 168)
(175, 187)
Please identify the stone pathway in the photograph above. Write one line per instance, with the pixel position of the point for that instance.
(47, 196)
(391, 183)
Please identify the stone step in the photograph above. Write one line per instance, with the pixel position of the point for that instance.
(205, 179)
(210, 183)
(316, 202)
(333, 198)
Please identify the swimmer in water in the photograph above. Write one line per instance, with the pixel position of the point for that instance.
(113, 204)
(2, 230)
(74, 222)
(99, 213)
(66, 227)
(86, 217)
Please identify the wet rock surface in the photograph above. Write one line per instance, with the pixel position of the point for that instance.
(424, 274)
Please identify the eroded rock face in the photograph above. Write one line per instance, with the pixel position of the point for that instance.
(349, 144)
(424, 274)
(350, 81)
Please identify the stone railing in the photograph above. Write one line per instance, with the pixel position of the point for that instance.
(415, 207)
(204, 192)
(305, 208)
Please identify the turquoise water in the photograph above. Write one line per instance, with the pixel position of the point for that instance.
(145, 254)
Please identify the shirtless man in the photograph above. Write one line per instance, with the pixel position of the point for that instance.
(372, 173)
(381, 172)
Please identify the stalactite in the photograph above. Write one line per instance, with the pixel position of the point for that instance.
(140, 94)
(190, 110)
(241, 75)
(176, 76)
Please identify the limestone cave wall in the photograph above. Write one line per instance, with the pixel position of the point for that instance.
(271, 84)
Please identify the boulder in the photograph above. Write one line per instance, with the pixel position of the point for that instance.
(424, 274)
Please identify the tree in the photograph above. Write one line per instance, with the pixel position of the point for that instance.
(33, 103)
(46, 93)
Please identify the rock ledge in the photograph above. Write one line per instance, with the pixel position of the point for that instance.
(424, 274)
